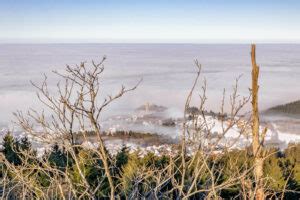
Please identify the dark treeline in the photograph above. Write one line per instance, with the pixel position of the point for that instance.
(289, 108)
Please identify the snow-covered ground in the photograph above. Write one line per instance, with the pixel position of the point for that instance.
(237, 137)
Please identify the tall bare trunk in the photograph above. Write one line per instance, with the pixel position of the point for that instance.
(256, 143)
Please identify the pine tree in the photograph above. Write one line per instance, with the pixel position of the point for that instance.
(25, 144)
(122, 158)
(58, 157)
(10, 149)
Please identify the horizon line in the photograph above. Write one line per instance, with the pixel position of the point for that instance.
(156, 42)
(144, 41)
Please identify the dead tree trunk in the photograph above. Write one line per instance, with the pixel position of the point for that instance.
(257, 136)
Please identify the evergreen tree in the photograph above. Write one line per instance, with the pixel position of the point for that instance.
(122, 158)
(58, 157)
(10, 149)
(25, 144)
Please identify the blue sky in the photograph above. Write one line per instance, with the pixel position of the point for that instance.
(150, 21)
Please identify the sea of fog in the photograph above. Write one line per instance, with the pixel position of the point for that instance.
(167, 70)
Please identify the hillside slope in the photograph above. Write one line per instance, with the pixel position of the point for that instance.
(289, 108)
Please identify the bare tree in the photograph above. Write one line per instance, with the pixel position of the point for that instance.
(204, 144)
(78, 104)
(258, 137)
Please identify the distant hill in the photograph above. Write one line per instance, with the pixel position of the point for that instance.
(289, 108)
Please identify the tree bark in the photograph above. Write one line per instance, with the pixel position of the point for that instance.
(256, 143)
